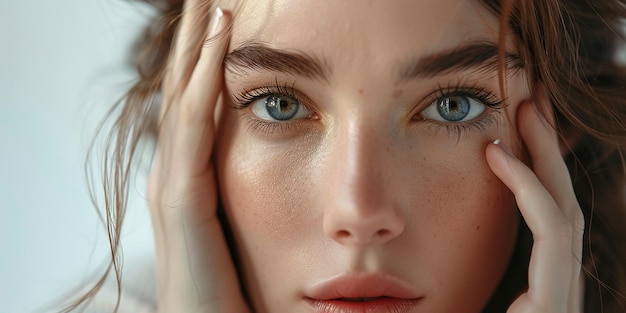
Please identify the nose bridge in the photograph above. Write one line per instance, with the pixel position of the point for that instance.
(361, 152)
(361, 209)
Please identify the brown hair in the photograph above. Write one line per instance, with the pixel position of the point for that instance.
(569, 47)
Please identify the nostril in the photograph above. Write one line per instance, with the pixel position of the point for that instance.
(382, 232)
(343, 234)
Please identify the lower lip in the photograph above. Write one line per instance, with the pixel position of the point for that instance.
(380, 305)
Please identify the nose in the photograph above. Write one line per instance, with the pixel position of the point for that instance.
(362, 205)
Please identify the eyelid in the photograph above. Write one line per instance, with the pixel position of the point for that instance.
(475, 91)
(246, 97)
(487, 118)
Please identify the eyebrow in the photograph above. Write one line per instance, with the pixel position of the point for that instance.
(258, 56)
(481, 55)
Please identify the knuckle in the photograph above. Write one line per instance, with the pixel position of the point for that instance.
(524, 192)
(563, 230)
(190, 114)
(571, 225)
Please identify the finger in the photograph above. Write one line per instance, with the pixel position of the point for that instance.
(543, 146)
(189, 35)
(577, 295)
(194, 139)
(542, 143)
(538, 207)
(187, 41)
(551, 259)
(206, 79)
(199, 272)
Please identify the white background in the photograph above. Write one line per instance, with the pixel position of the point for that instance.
(62, 64)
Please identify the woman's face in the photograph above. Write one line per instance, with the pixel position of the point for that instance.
(352, 170)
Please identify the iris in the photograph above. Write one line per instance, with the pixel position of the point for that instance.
(453, 108)
(281, 107)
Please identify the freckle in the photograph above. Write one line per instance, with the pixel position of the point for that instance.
(397, 93)
(478, 228)
(360, 91)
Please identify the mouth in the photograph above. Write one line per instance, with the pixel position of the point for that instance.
(358, 299)
(362, 305)
(360, 293)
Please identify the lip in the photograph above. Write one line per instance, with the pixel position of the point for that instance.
(378, 294)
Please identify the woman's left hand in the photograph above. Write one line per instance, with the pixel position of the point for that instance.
(546, 199)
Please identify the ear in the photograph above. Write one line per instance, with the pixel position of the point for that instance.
(569, 135)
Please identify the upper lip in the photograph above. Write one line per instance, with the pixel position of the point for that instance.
(361, 285)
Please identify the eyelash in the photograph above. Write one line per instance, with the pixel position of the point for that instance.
(246, 97)
(492, 102)
(243, 99)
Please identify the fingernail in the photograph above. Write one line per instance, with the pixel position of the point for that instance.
(503, 146)
(214, 24)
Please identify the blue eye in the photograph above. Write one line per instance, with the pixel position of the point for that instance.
(454, 109)
(279, 108)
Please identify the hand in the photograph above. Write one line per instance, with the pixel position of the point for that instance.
(546, 199)
(195, 272)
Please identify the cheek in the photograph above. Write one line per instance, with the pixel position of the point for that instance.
(265, 192)
(460, 196)
(466, 221)
(263, 198)
(473, 213)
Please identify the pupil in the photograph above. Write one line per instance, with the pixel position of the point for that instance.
(453, 105)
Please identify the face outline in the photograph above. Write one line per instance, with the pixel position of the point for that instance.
(366, 182)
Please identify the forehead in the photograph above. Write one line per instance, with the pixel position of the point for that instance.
(362, 30)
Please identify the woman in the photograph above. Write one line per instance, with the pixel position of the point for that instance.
(329, 156)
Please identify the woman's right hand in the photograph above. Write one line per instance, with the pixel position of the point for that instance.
(195, 272)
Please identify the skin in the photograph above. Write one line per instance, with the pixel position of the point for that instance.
(366, 182)
(365, 165)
